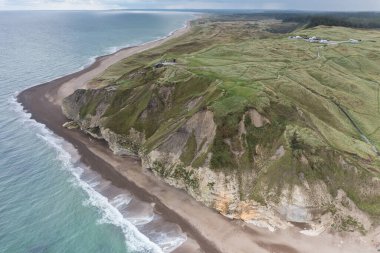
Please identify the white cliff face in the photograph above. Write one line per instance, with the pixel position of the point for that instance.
(219, 190)
(222, 191)
(202, 126)
(227, 191)
(298, 203)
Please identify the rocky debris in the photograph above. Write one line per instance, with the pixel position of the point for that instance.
(257, 119)
(71, 125)
(123, 145)
(280, 152)
(347, 216)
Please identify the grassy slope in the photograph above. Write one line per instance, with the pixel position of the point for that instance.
(234, 66)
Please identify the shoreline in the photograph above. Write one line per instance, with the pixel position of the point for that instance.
(52, 94)
(43, 103)
(81, 78)
(205, 227)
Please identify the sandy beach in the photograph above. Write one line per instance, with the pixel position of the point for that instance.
(208, 231)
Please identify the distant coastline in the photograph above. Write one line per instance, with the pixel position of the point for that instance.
(43, 102)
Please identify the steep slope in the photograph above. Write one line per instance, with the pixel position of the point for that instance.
(258, 126)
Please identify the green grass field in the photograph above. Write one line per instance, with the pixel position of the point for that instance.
(302, 88)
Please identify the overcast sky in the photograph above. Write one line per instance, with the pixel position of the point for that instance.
(332, 5)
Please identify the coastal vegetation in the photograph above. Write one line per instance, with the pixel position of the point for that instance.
(249, 115)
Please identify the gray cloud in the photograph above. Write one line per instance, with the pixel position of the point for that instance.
(329, 5)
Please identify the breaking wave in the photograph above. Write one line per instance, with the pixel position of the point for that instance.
(117, 206)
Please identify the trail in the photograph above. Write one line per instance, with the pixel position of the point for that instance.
(362, 135)
(319, 55)
(346, 113)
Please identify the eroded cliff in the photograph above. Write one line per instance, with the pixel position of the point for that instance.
(262, 141)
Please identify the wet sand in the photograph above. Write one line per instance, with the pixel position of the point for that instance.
(208, 231)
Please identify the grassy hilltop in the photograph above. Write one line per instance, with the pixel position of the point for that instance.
(286, 111)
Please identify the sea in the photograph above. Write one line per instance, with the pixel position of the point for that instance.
(49, 201)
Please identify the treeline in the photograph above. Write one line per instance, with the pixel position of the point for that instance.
(310, 19)
(355, 20)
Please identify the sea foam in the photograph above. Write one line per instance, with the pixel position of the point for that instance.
(109, 209)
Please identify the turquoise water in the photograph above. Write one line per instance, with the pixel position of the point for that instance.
(48, 201)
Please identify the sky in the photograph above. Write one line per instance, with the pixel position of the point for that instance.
(317, 5)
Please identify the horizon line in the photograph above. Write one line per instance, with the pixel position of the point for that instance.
(197, 9)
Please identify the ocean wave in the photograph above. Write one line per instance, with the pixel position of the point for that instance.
(121, 200)
(112, 50)
(135, 240)
(170, 243)
(89, 62)
(108, 208)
